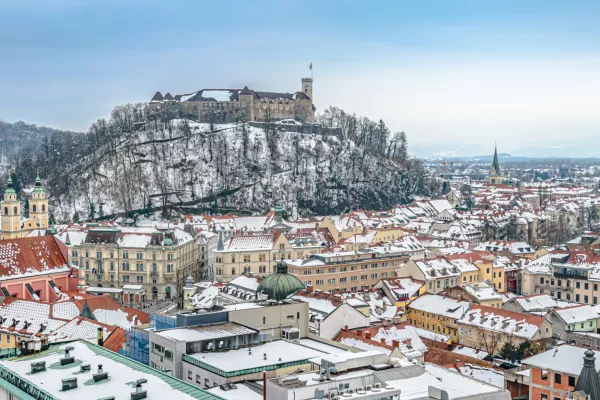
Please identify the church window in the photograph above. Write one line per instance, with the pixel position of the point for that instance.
(15, 211)
(43, 208)
(33, 208)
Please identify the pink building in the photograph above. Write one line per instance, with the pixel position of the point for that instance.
(36, 268)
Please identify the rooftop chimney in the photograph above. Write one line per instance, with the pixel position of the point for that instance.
(100, 336)
(395, 343)
(382, 340)
(346, 328)
(359, 332)
(368, 335)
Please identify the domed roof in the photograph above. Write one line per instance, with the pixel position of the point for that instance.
(280, 284)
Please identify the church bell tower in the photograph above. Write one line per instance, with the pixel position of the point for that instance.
(38, 205)
(11, 212)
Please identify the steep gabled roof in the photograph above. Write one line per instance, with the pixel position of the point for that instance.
(31, 256)
(157, 97)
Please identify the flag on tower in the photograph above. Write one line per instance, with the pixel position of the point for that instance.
(310, 66)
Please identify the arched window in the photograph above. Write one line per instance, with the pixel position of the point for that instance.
(15, 211)
(43, 208)
(33, 208)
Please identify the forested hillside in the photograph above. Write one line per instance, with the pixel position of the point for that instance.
(143, 158)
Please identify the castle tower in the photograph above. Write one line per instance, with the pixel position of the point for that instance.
(11, 212)
(495, 177)
(246, 100)
(38, 205)
(307, 87)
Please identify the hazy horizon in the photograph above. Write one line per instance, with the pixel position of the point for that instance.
(455, 77)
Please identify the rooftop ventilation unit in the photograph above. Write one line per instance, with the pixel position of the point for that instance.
(85, 368)
(67, 359)
(69, 384)
(100, 375)
(39, 366)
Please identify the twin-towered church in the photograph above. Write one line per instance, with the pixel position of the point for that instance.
(14, 225)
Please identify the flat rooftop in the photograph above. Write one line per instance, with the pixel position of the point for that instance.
(122, 376)
(278, 352)
(206, 332)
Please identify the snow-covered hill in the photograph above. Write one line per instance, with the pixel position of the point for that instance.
(167, 164)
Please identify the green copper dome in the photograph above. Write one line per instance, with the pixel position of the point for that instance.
(280, 285)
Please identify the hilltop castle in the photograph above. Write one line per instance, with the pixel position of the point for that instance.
(228, 105)
(13, 226)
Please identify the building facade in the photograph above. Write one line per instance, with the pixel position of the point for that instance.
(348, 271)
(259, 254)
(159, 261)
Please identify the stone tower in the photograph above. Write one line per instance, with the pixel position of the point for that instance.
(246, 100)
(189, 290)
(11, 212)
(38, 205)
(495, 177)
(307, 87)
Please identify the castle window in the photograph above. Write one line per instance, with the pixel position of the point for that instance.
(33, 208)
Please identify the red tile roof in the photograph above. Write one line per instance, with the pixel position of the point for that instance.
(38, 254)
(115, 340)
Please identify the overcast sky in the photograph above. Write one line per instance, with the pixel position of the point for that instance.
(455, 75)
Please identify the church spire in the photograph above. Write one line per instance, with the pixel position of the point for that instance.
(10, 189)
(588, 378)
(495, 164)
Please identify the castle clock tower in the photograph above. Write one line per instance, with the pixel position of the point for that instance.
(11, 212)
(38, 205)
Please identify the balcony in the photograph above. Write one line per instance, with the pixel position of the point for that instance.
(569, 276)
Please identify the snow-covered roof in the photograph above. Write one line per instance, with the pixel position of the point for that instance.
(457, 386)
(278, 352)
(575, 314)
(206, 332)
(482, 291)
(567, 359)
(122, 373)
(440, 305)
(540, 302)
(502, 321)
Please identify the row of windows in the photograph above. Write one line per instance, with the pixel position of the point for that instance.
(139, 256)
(332, 281)
(16, 209)
(138, 267)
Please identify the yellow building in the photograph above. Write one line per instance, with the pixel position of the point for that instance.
(481, 293)
(437, 314)
(259, 254)
(342, 227)
(385, 234)
(401, 290)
